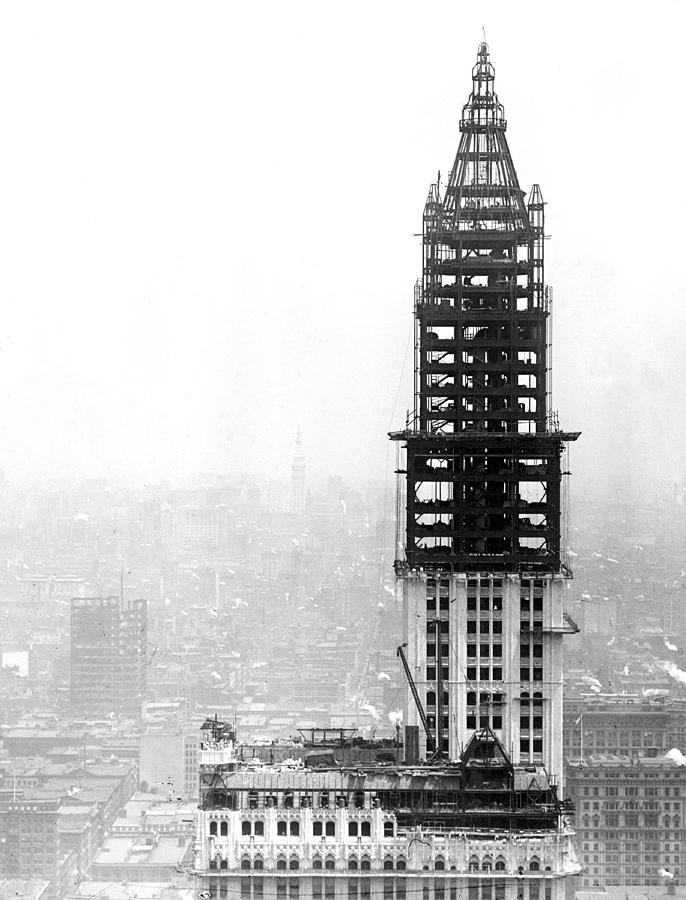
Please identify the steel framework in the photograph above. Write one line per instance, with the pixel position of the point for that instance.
(483, 466)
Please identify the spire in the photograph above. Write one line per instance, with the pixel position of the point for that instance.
(483, 192)
(298, 477)
(483, 106)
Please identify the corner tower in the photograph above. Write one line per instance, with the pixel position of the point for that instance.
(480, 552)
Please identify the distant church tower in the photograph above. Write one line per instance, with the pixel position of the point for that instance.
(298, 478)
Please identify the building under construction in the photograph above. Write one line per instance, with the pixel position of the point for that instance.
(479, 558)
(474, 811)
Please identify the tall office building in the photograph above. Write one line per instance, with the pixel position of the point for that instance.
(108, 656)
(472, 813)
(480, 557)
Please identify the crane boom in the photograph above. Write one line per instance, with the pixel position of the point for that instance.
(430, 743)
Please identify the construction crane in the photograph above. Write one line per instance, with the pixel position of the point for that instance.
(430, 743)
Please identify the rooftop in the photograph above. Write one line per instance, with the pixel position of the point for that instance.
(116, 890)
(23, 889)
(613, 760)
(125, 850)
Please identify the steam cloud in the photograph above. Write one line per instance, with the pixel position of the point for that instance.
(674, 672)
(676, 756)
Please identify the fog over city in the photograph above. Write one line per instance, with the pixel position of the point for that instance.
(209, 225)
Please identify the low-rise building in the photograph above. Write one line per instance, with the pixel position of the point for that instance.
(629, 819)
(147, 813)
(116, 890)
(31, 845)
(145, 857)
(481, 828)
(623, 725)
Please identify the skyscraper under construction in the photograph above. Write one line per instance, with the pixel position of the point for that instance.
(473, 812)
(480, 562)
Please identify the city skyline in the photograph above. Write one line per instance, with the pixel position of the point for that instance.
(224, 673)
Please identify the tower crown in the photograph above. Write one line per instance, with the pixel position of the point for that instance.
(483, 107)
(483, 192)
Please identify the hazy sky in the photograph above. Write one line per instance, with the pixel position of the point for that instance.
(208, 216)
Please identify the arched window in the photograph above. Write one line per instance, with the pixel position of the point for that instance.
(352, 863)
(294, 864)
(401, 864)
(259, 863)
(245, 862)
(213, 827)
(213, 864)
(294, 828)
(317, 862)
(473, 864)
(534, 865)
(252, 799)
(388, 863)
(487, 864)
(281, 863)
(500, 864)
(471, 698)
(224, 864)
(288, 800)
(439, 865)
(430, 698)
(225, 829)
(365, 864)
(282, 829)
(329, 863)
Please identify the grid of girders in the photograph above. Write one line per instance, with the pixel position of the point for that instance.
(483, 467)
